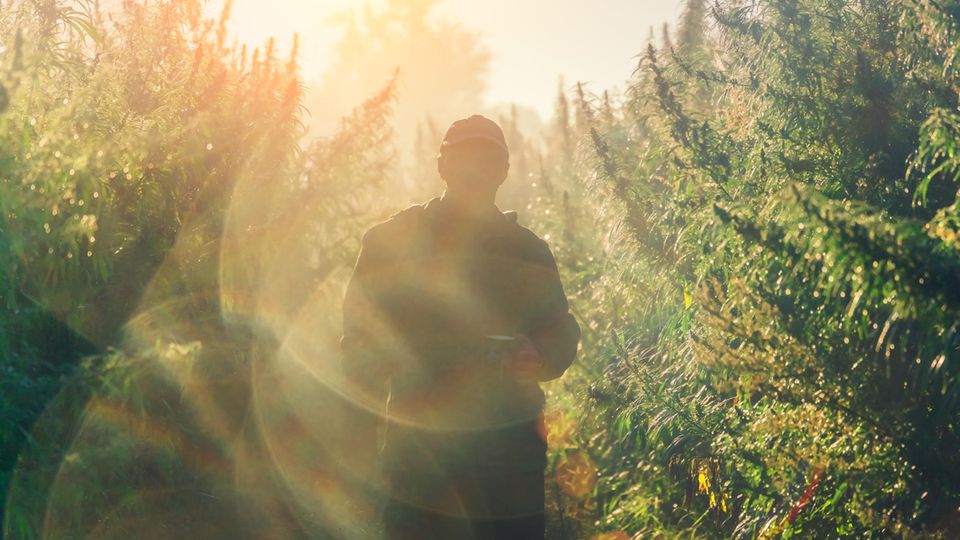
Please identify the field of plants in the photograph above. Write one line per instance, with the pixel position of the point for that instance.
(760, 238)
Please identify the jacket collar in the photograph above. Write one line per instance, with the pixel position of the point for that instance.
(441, 209)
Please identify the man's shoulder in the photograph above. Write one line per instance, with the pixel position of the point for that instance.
(399, 225)
(510, 225)
(534, 247)
(522, 232)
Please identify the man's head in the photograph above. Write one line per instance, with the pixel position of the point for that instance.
(473, 156)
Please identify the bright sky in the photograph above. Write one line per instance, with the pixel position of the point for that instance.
(533, 42)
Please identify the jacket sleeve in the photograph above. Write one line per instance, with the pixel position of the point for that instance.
(554, 331)
(366, 328)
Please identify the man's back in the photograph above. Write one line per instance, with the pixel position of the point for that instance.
(436, 287)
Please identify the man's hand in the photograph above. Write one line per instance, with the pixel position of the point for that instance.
(524, 362)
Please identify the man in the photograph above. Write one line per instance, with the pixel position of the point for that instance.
(453, 315)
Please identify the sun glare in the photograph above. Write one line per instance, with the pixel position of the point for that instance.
(253, 22)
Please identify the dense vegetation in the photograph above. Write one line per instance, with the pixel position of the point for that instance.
(760, 239)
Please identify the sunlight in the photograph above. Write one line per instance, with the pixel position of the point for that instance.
(254, 22)
(479, 270)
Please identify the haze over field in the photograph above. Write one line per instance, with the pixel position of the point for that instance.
(531, 43)
(756, 230)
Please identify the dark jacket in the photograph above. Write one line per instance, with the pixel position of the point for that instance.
(428, 289)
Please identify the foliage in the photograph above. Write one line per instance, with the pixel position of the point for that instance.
(775, 322)
(147, 167)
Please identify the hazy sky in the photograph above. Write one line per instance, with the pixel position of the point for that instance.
(533, 41)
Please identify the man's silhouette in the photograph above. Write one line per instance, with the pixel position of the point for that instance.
(453, 315)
